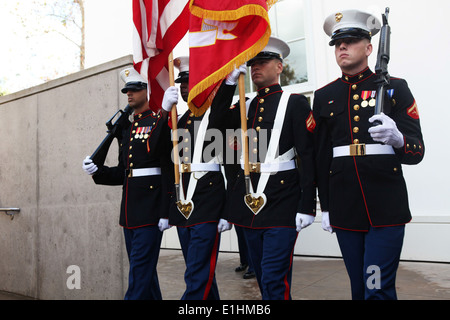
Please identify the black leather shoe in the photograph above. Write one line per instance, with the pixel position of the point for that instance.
(242, 267)
(249, 275)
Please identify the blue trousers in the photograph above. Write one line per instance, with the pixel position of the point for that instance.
(372, 259)
(200, 246)
(243, 248)
(143, 245)
(271, 252)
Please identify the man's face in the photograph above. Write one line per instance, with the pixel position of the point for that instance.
(266, 72)
(352, 54)
(137, 98)
(184, 90)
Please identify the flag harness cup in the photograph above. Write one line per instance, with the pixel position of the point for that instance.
(256, 201)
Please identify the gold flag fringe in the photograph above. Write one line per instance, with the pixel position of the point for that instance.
(271, 3)
(228, 15)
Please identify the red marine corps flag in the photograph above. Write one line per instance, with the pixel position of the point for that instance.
(222, 35)
(158, 27)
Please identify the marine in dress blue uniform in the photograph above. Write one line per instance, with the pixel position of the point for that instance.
(198, 229)
(272, 232)
(145, 171)
(362, 191)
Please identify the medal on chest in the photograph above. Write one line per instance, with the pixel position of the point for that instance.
(365, 95)
(142, 132)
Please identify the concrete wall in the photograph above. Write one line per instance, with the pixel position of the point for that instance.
(65, 218)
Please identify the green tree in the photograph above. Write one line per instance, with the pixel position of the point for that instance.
(289, 77)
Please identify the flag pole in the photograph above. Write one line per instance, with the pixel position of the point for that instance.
(174, 117)
(243, 109)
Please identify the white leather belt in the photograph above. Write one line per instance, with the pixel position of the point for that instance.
(357, 150)
(133, 173)
(271, 167)
(199, 167)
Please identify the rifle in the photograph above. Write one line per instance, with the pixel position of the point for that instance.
(381, 68)
(114, 131)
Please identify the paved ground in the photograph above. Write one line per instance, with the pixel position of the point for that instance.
(313, 279)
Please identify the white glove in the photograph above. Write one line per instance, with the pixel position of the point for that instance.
(326, 222)
(224, 225)
(232, 78)
(89, 167)
(387, 132)
(170, 98)
(303, 221)
(163, 224)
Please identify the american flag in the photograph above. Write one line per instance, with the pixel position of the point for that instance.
(159, 25)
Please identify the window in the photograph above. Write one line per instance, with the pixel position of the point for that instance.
(288, 22)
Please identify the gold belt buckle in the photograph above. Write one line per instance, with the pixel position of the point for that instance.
(255, 167)
(185, 167)
(130, 173)
(357, 150)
